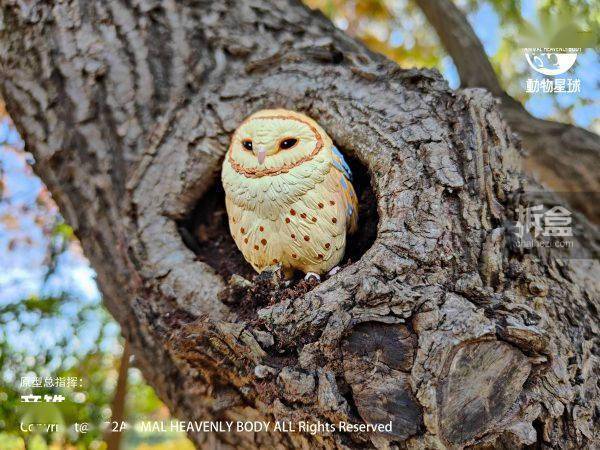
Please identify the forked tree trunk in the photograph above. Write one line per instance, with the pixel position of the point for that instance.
(442, 327)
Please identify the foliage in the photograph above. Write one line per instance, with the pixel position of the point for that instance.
(87, 403)
(53, 323)
(399, 30)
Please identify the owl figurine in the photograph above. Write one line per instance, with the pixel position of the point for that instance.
(288, 193)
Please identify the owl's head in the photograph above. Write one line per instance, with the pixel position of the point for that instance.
(271, 139)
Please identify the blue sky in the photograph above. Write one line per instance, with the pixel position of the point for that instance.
(24, 266)
(587, 68)
(487, 26)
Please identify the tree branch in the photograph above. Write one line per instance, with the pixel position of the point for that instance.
(564, 157)
(113, 439)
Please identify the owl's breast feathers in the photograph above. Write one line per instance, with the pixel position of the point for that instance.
(298, 218)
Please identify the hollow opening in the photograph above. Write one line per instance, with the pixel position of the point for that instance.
(206, 232)
(361, 241)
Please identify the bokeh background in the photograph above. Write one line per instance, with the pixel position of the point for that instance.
(52, 323)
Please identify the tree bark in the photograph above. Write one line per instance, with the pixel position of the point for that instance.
(442, 326)
(565, 158)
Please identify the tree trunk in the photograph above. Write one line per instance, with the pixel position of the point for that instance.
(441, 327)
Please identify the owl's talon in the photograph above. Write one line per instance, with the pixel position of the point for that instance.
(333, 271)
(312, 274)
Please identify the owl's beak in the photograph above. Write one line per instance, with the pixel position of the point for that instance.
(261, 154)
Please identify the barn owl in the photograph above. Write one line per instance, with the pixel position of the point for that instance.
(288, 194)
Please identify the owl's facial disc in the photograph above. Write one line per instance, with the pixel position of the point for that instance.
(274, 139)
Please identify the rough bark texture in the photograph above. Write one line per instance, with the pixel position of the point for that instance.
(442, 327)
(565, 158)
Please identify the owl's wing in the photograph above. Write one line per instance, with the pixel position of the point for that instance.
(340, 163)
(346, 189)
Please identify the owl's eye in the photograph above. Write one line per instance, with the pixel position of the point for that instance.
(287, 143)
(247, 144)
